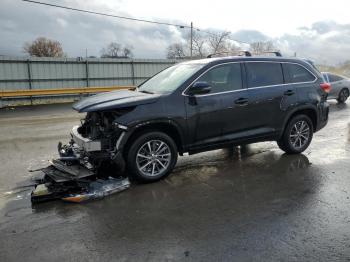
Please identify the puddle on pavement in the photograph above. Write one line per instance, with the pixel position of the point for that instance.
(191, 175)
(16, 194)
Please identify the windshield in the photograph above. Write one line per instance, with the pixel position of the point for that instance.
(169, 79)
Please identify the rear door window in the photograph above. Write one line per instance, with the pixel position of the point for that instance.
(297, 74)
(264, 74)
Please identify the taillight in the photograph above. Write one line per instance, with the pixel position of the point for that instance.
(326, 87)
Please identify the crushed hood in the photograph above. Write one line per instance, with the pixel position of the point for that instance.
(114, 100)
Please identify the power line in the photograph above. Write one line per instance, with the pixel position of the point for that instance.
(104, 14)
(125, 17)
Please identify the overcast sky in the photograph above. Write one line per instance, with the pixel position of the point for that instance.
(313, 29)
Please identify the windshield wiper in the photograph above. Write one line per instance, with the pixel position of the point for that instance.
(146, 92)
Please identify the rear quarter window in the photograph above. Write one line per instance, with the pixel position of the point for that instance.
(264, 74)
(297, 74)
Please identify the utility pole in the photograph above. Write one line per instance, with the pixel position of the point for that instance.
(191, 38)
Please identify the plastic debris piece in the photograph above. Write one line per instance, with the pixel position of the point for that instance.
(99, 189)
(55, 173)
(77, 198)
(41, 190)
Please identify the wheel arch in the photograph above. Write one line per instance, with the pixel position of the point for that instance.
(309, 111)
(168, 127)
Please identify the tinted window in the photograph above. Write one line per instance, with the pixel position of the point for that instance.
(334, 78)
(298, 74)
(264, 74)
(223, 78)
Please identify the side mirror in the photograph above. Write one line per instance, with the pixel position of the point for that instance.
(200, 88)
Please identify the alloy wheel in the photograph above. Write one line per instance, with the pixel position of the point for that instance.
(153, 158)
(343, 95)
(300, 134)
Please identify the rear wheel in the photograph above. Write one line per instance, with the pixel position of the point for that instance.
(297, 135)
(151, 156)
(343, 95)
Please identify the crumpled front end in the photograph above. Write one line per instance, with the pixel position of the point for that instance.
(92, 157)
(97, 141)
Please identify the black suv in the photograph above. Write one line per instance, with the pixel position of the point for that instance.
(202, 105)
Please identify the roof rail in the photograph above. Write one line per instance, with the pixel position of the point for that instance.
(241, 52)
(277, 53)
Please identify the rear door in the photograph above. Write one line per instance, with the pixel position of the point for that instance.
(269, 96)
(299, 79)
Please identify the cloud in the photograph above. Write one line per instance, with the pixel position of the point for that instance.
(21, 22)
(323, 41)
(250, 36)
(324, 27)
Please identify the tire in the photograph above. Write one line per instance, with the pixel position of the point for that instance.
(297, 135)
(281, 145)
(343, 95)
(144, 165)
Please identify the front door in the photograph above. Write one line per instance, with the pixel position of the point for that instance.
(214, 116)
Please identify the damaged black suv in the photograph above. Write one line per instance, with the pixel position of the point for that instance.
(202, 105)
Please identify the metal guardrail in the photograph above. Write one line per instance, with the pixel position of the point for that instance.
(40, 80)
(38, 72)
(60, 91)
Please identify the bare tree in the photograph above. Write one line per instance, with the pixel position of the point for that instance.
(116, 50)
(218, 42)
(43, 47)
(202, 45)
(127, 51)
(176, 50)
(112, 50)
(260, 47)
(231, 48)
(199, 47)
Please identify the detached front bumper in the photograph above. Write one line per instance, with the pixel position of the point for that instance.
(85, 143)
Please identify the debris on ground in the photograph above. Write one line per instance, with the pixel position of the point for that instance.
(73, 182)
(99, 189)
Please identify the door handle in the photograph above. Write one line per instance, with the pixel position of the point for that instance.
(289, 93)
(241, 101)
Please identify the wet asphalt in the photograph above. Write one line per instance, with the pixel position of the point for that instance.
(252, 203)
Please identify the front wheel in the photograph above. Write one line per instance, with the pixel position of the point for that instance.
(343, 95)
(151, 156)
(297, 135)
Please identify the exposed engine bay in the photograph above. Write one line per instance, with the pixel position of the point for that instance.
(90, 165)
(94, 143)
